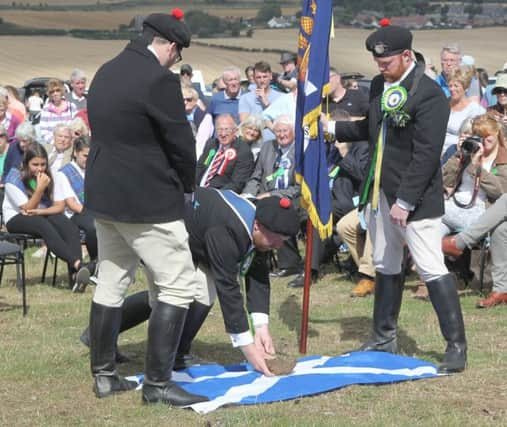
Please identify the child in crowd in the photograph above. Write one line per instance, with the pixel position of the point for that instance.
(69, 188)
(28, 208)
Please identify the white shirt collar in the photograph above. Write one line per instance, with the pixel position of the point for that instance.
(152, 50)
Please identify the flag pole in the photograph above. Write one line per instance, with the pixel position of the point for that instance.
(307, 284)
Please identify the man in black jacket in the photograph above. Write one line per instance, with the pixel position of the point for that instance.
(141, 163)
(405, 127)
(233, 241)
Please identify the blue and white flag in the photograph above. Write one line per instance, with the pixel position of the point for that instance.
(241, 385)
(313, 84)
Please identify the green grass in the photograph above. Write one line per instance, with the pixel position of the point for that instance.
(45, 378)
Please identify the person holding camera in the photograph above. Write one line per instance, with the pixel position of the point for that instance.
(476, 175)
(462, 107)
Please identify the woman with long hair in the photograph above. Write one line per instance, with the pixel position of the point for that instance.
(28, 207)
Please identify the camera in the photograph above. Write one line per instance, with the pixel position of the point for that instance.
(471, 145)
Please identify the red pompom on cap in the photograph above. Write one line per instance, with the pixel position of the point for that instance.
(284, 203)
(385, 22)
(177, 13)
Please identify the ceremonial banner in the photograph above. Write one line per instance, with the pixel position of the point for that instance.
(313, 84)
(241, 385)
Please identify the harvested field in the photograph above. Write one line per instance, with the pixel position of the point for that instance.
(101, 20)
(27, 57)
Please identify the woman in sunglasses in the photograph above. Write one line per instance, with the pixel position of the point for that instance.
(57, 110)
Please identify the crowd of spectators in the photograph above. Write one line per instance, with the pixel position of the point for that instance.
(244, 141)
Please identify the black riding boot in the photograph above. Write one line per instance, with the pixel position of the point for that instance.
(164, 333)
(135, 310)
(196, 315)
(104, 327)
(445, 300)
(387, 303)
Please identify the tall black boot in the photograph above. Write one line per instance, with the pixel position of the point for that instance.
(164, 333)
(135, 310)
(104, 327)
(445, 300)
(386, 309)
(196, 315)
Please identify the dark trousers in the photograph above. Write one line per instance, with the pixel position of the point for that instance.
(288, 255)
(59, 233)
(86, 222)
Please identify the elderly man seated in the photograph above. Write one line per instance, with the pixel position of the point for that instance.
(274, 176)
(60, 151)
(226, 162)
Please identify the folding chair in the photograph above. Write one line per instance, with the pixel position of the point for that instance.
(12, 254)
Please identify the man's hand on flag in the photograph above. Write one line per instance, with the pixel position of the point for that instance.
(264, 342)
(256, 359)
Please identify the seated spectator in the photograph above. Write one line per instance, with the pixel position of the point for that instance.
(16, 107)
(352, 101)
(474, 179)
(461, 106)
(83, 115)
(450, 59)
(287, 81)
(499, 110)
(7, 120)
(284, 105)
(34, 104)
(250, 81)
(4, 145)
(77, 95)
(186, 74)
(57, 110)
(255, 102)
(250, 132)
(200, 122)
(483, 77)
(358, 241)
(226, 162)
(23, 138)
(474, 89)
(218, 85)
(69, 188)
(60, 152)
(493, 221)
(274, 176)
(227, 101)
(78, 128)
(465, 131)
(28, 207)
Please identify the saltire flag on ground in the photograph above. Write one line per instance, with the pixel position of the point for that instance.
(241, 385)
(313, 84)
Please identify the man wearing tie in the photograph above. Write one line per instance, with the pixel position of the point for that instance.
(274, 176)
(226, 162)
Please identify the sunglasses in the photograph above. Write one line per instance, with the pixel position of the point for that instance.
(500, 91)
(3, 135)
(188, 99)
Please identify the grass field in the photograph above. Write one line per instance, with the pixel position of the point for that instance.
(45, 379)
(27, 57)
